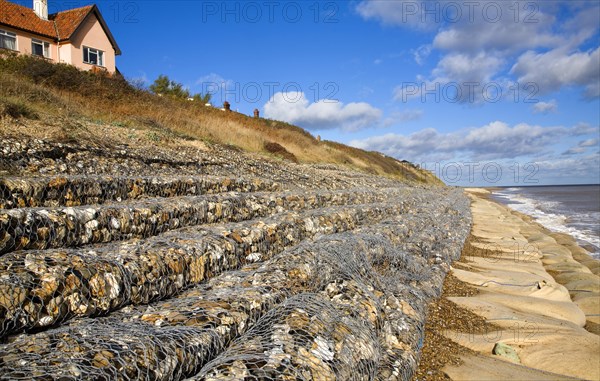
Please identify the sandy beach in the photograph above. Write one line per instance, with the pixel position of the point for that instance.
(521, 304)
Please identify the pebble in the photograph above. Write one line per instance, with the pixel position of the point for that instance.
(214, 264)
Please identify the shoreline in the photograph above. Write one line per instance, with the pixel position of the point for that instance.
(520, 291)
(586, 244)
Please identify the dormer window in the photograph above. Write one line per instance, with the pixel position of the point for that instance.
(93, 56)
(8, 40)
(40, 48)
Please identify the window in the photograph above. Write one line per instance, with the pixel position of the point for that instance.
(40, 48)
(8, 40)
(93, 56)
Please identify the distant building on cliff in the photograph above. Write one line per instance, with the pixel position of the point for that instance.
(79, 36)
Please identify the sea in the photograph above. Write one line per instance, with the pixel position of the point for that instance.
(571, 209)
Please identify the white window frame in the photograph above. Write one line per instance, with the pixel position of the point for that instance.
(4, 34)
(45, 47)
(98, 52)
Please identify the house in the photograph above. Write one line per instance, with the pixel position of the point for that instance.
(79, 36)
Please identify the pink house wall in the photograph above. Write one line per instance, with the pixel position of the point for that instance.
(91, 35)
(24, 42)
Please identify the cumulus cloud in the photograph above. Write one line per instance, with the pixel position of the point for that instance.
(493, 141)
(557, 68)
(402, 117)
(471, 26)
(397, 12)
(421, 53)
(457, 78)
(588, 143)
(487, 24)
(215, 85)
(545, 107)
(488, 35)
(574, 151)
(572, 167)
(584, 129)
(498, 26)
(294, 107)
(213, 78)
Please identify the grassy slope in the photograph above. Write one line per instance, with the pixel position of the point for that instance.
(34, 88)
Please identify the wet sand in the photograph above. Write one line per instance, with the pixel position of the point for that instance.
(537, 293)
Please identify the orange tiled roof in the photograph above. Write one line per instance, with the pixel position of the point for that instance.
(24, 18)
(20, 17)
(67, 22)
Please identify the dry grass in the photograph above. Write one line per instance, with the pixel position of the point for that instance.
(52, 91)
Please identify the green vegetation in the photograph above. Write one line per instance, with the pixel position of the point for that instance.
(16, 109)
(164, 86)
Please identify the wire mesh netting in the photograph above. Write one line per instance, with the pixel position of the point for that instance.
(44, 288)
(17, 192)
(305, 338)
(42, 228)
(342, 270)
(213, 266)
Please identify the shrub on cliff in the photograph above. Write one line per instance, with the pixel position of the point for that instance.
(279, 150)
(16, 109)
(64, 77)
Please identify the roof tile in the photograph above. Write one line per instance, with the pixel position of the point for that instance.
(24, 18)
(20, 17)
(68, 21)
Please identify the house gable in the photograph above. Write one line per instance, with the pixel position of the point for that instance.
(90, 34)
(69, 23)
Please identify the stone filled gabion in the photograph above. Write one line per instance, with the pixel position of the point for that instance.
(213, 266)
(305, 338)
(34, 228)
(43, 288)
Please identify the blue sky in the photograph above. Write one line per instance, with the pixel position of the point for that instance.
(386, 75)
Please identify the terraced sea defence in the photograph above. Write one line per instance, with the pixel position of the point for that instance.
(172, 264)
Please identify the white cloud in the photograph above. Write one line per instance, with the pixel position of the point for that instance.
(545, 107)
(585, 167)
(215, 85)
(588, 143)
(459, 78)
(365, 91)
(493, 141)
(396, 12)
(581, 129)
(468, 68)
(213, 78)
(497, 26)
(485, 37)
(470, 26)
(422, 53)
(294, 107)
(402, 117)
(557, 68)
(574, 151)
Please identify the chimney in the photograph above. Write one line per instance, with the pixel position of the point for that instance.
(40, 7)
